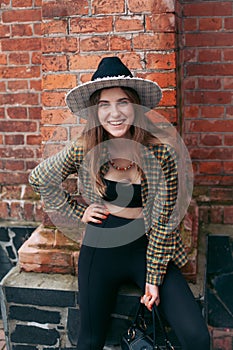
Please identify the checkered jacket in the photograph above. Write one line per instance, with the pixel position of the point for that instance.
(159, 185)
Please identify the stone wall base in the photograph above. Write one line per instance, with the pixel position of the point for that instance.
(40, 311)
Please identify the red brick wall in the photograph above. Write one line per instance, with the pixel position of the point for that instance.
(206, 60)
(20, 106)
(61, 42)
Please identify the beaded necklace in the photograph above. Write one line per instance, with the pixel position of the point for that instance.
(121, 168)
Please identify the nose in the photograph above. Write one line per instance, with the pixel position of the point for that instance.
(114, 110)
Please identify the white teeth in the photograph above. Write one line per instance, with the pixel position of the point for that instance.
(116, 123)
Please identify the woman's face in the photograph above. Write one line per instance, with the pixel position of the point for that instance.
(115, 112)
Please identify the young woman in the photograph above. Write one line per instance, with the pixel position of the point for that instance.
(130, 185)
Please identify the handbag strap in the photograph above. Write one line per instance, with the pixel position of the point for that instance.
(155, 313)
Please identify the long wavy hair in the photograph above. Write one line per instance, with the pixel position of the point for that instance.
(94, 135)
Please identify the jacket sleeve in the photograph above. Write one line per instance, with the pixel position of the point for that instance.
(163, 232)
(46, 179)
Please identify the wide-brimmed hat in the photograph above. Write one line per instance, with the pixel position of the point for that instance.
(111, 72)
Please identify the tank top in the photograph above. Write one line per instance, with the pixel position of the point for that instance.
(123, 194)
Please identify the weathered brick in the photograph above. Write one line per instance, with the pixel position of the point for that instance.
(19, 58)
(211, 153)
(14, 165)
(14, 139)
(54, 133)
(164, 22)
(3, 59)
(228, 214)
(19, 99)
(129, 23)
(54, 63)
(228, 54)
(120, 43)
(57, 116)
(18, 126)
(221, 194)
(27, 44)
(14, 178)
(36, 58)
(210, 168)
(4, 31)
(53, 99)
(17, 112)
(20, 72)
(24, 15)
(17, 85)
(21, 3)
(35, 85)
(95, 43)
(56, 81)
(91, 25)
(210, 69)
(209, 24)
(212, 111)
(216, 214)
(4, 210)
(228, 167)
(137, 6)
(67, 44)
(84, 62)
(11, 192)
(109, 7)
(53, 9)
(213, 97)
(205, 39)
(22, 30)
(209, 83)
(33, 139)
(211, 140)
(169, 98)
(34, 113)
(210, 126)
(163, 6)
(157, 41)
(190, 24)
(210, 8)
(164, 80)
(54, 27)
(227, 83)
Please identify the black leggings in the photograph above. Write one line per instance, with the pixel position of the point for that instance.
(103, 270)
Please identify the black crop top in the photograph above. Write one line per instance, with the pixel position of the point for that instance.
(123, 194)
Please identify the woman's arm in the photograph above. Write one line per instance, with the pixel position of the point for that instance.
(46, 179)
(162, 237)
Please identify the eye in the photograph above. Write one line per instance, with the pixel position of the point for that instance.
(103, 105)
(123, 102)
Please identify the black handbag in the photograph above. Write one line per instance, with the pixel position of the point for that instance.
(137, 337)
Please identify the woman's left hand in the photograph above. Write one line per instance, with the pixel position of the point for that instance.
(151, 296)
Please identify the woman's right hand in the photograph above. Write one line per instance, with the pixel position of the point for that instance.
(94, 213)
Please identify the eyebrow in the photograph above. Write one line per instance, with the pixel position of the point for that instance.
(119, 100)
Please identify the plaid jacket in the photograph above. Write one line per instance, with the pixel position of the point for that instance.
(159, 183)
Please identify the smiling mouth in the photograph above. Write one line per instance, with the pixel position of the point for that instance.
(116, 123)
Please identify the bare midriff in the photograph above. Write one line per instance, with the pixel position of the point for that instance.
(127, 213)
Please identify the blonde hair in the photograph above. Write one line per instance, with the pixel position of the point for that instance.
(94, 135)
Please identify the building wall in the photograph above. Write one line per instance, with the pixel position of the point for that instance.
(47, 47)
(206, 67)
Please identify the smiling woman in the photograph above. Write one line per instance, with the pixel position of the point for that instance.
(115, 112)
(130, 184)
